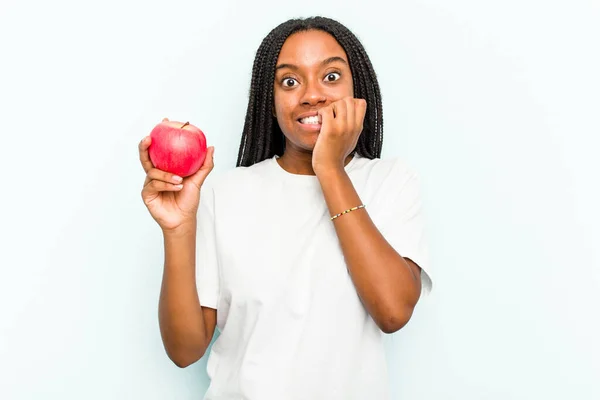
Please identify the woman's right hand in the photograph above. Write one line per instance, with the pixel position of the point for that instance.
(172, 201)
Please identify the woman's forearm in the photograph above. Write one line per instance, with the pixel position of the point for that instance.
(388, 285)
(181, 319)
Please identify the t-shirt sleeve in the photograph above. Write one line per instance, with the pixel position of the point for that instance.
(207, 267)
(401, 219)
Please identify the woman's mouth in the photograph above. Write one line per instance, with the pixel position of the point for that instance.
(312, 123)
(313, 120)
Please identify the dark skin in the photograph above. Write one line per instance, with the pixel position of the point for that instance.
(313, 75)
(313, 78)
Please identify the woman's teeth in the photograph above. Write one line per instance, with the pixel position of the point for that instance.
(311, 120)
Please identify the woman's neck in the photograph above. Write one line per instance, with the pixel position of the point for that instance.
(300, 163)
(297, 163)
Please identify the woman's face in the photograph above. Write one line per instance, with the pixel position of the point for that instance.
(312, 72)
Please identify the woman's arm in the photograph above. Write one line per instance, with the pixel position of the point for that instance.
(388, 284)
(186, 327)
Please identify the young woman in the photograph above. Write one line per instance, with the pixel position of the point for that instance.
(311, 249)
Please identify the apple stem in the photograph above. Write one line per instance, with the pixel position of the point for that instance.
(187, 123)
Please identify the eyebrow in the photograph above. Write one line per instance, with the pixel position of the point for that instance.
(323, 63)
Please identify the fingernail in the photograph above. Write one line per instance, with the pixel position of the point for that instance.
(177, 178)
(179, 186)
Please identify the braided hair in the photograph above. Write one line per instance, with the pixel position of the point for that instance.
(262, 137)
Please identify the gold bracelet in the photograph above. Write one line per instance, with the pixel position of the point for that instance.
(347, 211)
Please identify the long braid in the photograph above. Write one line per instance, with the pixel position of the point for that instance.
(262, 137)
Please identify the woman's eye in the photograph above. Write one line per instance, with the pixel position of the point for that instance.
(289, 82)
(332, 77)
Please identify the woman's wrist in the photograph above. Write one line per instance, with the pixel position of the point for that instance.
(183, 229)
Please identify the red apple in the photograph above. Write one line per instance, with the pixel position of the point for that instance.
(178, 148)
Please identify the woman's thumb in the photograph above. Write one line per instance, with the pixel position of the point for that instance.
(199, 177)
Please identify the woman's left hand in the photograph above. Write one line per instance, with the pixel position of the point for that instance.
(341, 125)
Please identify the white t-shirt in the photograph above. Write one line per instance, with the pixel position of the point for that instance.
(269, 261)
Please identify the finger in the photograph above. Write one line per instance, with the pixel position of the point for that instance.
(209, 163)
(165, 119)
(360, 112)
(144, 157)
(160, 186)
(160, 175)
(153, 188)
(340, 110)
(341, 116)
(350, 113)
(326, 114)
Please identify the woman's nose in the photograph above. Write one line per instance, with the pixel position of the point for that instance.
(313, 94)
